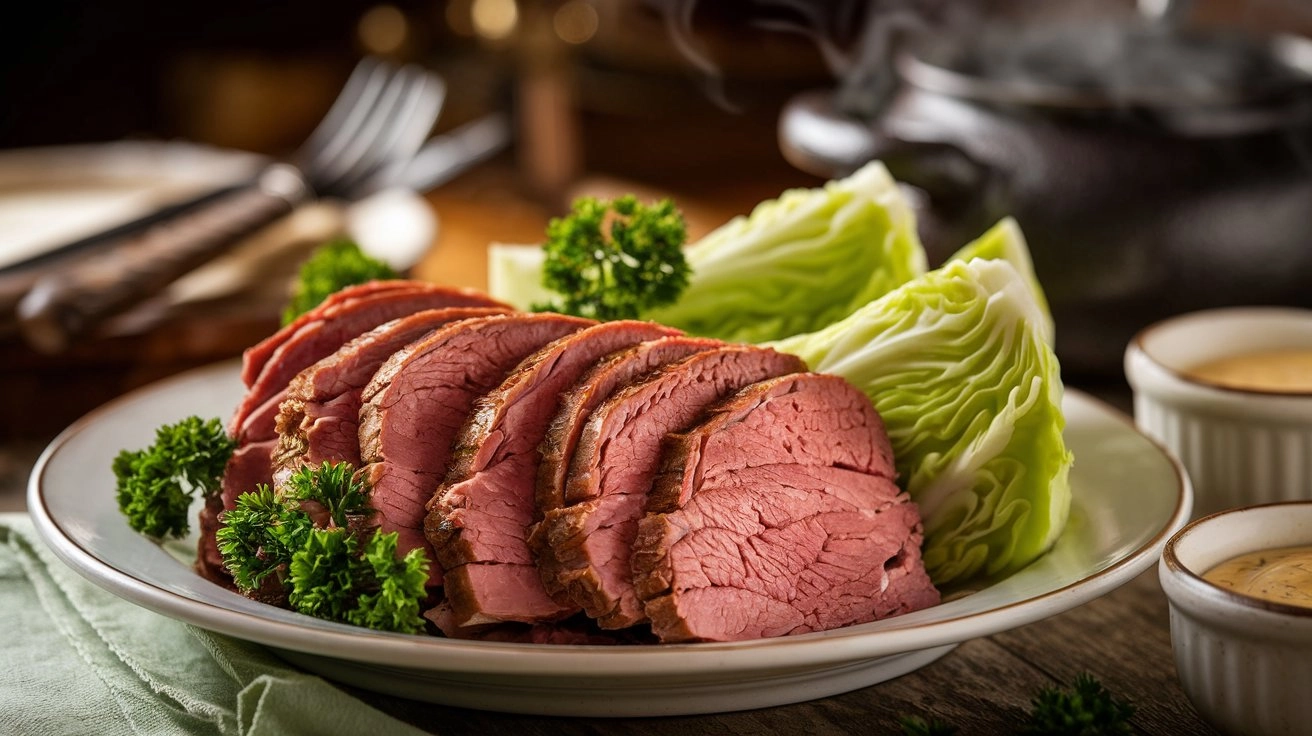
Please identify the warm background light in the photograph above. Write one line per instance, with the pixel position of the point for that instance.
(575, 22)
(494, 19)
(383, 29)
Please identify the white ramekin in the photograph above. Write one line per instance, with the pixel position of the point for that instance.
(1240, 447)
(1245, 663)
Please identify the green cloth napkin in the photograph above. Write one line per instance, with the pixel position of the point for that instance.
(77, 659)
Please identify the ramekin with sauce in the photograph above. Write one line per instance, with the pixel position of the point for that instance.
(1229, 391)
(1244, 660)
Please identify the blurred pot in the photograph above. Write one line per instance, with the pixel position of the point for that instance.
(1153, 170)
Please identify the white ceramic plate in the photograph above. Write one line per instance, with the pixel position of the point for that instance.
(1129, 497)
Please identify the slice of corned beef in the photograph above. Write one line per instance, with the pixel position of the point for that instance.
(247, 468)
(478, 519)
(592, 388)
(319, 421)
(254, 358)
(612, 470)
(595, 386)
(331, 328)
(778, 514)
(419, 398)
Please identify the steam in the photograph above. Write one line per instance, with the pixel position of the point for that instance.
(1129, 55)
(678, 15)
(856, 39)
(866, 78)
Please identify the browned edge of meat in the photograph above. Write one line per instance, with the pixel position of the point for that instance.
(575, 630)
(247, 468)
(355, 310)
(332, 328)
(419, 398)
(319, 419)
(254, 357)
(618, 457)
(595, 386)
(479, 517)
(778, 514)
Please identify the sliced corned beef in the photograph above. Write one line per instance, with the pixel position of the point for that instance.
(331, 328)
(247, 468)
(777, 514)
(576, 630)
(269, 366)
(419, 398)
(592, 388)
(319, 421)
(254, 357)
(478, 520)
(618, 457)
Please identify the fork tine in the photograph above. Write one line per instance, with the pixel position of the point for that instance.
(341, 111)
(404, 134)
(352, 124)
(328, 170)
(411, 127)
(397, 125)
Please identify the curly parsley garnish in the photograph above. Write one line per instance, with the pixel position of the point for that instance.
(156, 486)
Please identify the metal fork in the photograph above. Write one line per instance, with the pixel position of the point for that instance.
(382, 115)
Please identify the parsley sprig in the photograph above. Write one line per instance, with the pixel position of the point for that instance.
(332, 266)
(302, 545)
(613, 259)
(1085, 709)
(156, 485)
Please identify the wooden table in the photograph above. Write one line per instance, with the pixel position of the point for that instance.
(983, 686)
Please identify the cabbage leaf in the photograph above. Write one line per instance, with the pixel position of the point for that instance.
(799, 262)
(957, 365)
(514, 275)
(1005, 241)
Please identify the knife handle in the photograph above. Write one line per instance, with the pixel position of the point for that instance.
(68, 303)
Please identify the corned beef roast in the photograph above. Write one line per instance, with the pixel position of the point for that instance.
(718, 492)
(421, 396)
(319, 420)
(613, 467)
(478, 520)
(778, 514)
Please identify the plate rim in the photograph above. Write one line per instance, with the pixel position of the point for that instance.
(437, 654)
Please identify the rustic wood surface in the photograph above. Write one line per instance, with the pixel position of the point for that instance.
(983, 686)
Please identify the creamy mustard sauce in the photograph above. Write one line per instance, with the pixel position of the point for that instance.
(1283, 575)
(1276, 370)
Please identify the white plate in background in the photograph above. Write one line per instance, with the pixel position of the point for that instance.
(56, 194)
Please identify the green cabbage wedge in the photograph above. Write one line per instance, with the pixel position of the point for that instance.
(800, 262)
(1005, 241)
(957, 365)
